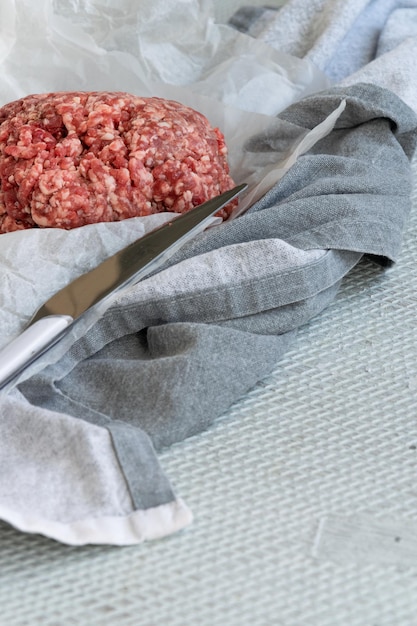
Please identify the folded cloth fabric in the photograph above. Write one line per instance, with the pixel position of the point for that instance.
(351, 41)
(179, 348)
(79, 461)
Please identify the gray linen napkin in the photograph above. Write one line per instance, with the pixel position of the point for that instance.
(179, 348)
(80, 440)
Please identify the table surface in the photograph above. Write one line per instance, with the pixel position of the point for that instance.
(311, 519)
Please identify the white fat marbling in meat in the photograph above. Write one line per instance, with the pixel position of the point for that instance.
(74, 158)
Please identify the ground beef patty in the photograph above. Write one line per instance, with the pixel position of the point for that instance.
(74, 158)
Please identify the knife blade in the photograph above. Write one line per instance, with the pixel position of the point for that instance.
(128, 266)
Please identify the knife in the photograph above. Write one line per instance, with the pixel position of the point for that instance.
(128, 266)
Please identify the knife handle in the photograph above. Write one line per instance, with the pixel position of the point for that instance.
(30, 343)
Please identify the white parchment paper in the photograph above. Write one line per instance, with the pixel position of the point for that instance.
(150, 48)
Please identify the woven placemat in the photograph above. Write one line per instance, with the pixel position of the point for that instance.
(326, 443)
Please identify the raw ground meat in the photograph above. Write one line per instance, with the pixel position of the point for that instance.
(74, 158)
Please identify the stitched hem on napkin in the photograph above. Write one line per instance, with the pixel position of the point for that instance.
(127, 530)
